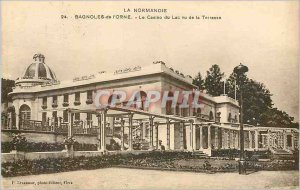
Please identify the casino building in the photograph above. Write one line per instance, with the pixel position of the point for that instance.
(43, 106)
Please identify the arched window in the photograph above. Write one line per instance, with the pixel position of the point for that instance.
(143, 99)
(169, 110)
(229, 117)
(25, 112)
(198, 111)
(211, 115)
(110, 103)
(177, 109)
(235, 119)
(143, 96)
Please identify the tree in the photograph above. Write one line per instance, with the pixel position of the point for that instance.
(6, 87)
(198, 81)
(258, 106)
(256, 98)
(213, 81)
(277, 118)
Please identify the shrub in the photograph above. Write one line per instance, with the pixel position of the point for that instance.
(46, 147)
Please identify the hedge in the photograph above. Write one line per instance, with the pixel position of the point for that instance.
(235, 153)
(155, 160)
(46, 147)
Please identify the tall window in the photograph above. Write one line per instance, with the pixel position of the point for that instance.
(65, 115)
(89, 94)
(211, 115)
(54, 114)
(89, 99)
(89, 116)
(44, 117)
(289, 140)
(54, 117)
(177, 109)
(66, 98)
(77, 96)
(229, 117)
(25, 112)
(199, 111)
(184, 112)
(169, 110)
(54, 99)
(44, 101)
(77, 116)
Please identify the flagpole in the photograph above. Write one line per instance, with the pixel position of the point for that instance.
(224, 87)
(235, 89)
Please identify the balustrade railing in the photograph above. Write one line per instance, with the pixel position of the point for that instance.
(58, 127)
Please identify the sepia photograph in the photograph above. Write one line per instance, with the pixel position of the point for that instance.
(149, 94)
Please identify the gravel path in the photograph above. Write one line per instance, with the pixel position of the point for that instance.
(120, 178)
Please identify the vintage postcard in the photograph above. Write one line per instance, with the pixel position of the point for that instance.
(149, 95)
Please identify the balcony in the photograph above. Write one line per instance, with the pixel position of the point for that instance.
(54, 105)
(89, 101)
(44, 106)
(77, 103)
(65, 104)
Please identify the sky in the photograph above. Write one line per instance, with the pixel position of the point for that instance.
(264, 35)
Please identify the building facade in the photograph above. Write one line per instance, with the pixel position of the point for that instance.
(42, 103)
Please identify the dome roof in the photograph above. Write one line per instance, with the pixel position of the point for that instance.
(37, 72)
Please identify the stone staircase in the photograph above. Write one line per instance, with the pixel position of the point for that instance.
(281, 154)
(199, 154)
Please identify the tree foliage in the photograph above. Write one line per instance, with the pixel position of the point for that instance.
(6, 87)
(258, 107)
(277, 118)
(256, 99)
(198, 81)
(213, 81)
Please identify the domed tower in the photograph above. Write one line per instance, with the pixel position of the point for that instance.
(37, 73)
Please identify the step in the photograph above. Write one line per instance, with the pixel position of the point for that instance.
(200, 154)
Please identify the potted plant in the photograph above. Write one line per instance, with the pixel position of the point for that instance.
(77, 103)
(54, 105)
(69, 143)
(65, 104)
(89, 101)
(18, 142)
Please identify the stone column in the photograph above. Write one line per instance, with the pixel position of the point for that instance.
(122, 133)
(17, 121)
(168, 134)
(181, 135)
(144, 131)
(221, 139)
(99, 133)
(10, 120)
(130, 143)
(70, 122)
(156, 136)
(256, 139)
(216, 138)
(201, 137)
(141, 130)
(151, 119)
(293, 143)
(250, 139)
(209, 137)
(233, 139)
(102, 133)
(268, 139)
(284, 140)
(229, 138)
(238, 139)
(193, 135)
